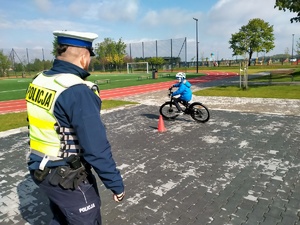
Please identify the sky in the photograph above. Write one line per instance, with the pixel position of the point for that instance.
(28, 24)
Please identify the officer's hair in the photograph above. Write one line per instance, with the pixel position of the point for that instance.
(61, 49)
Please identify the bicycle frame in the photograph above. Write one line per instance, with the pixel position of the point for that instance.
(196, 110)
(186, 104)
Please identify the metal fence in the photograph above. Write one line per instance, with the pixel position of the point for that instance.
(177, 53)
(172, 48)
(174, 51)
(26, 55)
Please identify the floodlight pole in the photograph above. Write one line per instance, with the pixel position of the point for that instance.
(293, 47)
(196, 44)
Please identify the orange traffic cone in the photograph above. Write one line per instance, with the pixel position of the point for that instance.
(161, 125)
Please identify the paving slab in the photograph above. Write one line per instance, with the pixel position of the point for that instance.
(238, 168)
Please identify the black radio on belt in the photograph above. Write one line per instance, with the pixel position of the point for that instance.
(74, 162)
(41, 174)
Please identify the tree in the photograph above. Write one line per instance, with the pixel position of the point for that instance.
(4, 64)
(94, 64)
(37, 65)
(256, 36)
(55, 44)
(292, 6)
(19, 67)
(155, 61)
(47, 64)
(111, 53)
(298, 47)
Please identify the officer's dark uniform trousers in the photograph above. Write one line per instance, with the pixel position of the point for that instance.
(78, 206)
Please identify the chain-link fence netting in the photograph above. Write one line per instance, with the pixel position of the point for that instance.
(172, 48)
(27, 55)
(177, 52)
(176, 48)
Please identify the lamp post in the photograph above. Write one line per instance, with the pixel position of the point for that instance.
(293, 47)
(196, 44)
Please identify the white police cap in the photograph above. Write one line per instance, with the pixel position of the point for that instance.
(77, 39)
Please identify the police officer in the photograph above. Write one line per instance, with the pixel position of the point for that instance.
(67, 136)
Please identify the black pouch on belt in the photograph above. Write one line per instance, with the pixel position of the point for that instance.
(58, 174)
(74, 178)
(41, 174)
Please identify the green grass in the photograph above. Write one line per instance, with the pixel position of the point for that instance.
(11, 89)
(15, 88)
(267, 89)
(109, 104)
(273, 91)
(13, 120)
(16, 120)
(279, 77)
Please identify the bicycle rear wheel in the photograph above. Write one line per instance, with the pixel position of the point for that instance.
(168, 110)
(199, 112)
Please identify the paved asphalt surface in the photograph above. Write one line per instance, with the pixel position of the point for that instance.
(238, 168)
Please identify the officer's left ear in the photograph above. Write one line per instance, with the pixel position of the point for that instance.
(85, 60)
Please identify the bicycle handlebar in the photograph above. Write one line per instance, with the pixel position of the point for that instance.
(170, 91)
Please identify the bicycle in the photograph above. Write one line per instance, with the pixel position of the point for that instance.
(196, 110)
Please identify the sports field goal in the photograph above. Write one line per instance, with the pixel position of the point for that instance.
(138, 67)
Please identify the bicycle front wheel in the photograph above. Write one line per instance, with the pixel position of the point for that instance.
(168, 110)
(199, 112)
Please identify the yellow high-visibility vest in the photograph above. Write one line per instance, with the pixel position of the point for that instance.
(41, 96)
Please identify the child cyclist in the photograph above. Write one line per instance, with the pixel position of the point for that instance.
(184, 91)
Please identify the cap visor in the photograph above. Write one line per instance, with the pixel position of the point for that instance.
(91, 52)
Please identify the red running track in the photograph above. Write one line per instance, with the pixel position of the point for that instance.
(20, 105)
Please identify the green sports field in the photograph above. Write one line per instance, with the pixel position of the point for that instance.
(15, 88)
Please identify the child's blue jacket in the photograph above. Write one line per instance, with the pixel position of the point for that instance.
(184, 90)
